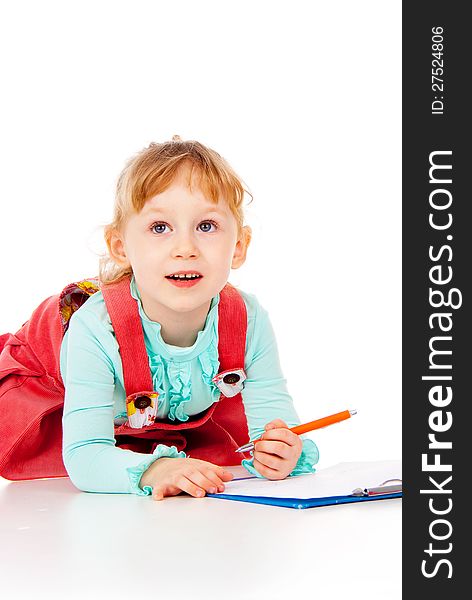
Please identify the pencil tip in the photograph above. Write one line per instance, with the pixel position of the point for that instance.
(353, 412)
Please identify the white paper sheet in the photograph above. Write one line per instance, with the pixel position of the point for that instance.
(339, 480)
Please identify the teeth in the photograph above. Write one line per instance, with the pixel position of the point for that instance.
(190, 276)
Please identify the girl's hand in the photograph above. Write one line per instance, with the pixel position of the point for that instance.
(170, 476)
(276, 455)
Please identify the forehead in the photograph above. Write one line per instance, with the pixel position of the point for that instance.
(184, 192)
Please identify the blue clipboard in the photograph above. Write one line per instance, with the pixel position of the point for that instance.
(305, 502)
(386, 490)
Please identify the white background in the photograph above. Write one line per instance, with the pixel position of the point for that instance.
(302, 98)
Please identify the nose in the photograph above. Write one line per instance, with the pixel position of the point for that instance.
(184, 246)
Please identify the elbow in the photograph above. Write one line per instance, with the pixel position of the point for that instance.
(76, 469)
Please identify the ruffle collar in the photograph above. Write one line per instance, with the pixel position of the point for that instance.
(174, 364)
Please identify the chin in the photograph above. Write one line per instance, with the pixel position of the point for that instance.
(185, 305)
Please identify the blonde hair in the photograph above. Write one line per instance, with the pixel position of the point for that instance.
(152, 170)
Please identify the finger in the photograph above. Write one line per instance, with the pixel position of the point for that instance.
(217, 481)
(200, 479)
(158, 493)
(226, 476)
(189, 487)
(282, 435)
(274, 447)
(267, 472)
(220, 471)
(269, 460)
(275, 424)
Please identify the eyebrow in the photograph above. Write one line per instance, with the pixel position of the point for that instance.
(152, 211)
(158, 210)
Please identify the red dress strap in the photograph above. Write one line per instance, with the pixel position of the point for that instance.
(126, 321)
(232, 325)
(229, 412)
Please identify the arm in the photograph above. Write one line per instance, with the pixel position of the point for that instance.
(93, 462)
(266, 399)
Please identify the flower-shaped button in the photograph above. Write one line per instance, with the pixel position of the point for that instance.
(230, 382)
(141, 409)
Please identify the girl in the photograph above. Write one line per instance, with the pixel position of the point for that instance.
(177, 232)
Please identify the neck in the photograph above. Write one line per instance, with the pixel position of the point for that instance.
(183, 331)
(178, 329)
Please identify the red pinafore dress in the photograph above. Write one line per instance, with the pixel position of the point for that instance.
(32, 390)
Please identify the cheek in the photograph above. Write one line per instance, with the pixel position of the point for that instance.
(134, 245)
(220, 261)
(221, 249)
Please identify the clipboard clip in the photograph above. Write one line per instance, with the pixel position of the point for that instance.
(390, 486)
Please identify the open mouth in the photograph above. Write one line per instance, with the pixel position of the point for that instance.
(190, 277)
(184, 279)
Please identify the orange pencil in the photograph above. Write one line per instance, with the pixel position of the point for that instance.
(299, 429)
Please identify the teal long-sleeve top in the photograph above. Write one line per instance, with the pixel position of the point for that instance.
(95, 397)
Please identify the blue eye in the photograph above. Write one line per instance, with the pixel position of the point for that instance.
(205, 227)
(158, 225)
(206, 224)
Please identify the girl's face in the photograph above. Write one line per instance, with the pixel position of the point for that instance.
(179, 231)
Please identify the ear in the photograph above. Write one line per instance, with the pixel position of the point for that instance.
(240, 251)
(116, 248)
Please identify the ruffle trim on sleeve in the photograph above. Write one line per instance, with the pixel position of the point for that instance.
(135, 473)
(305, 464)
(308, 458)
(248, 464)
